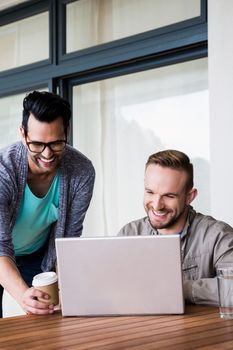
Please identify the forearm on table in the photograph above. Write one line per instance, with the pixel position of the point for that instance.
(11, 279)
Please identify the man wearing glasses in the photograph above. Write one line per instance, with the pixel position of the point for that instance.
(45, 190)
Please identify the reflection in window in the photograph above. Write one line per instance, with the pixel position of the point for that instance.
(119, 122)
(25, 41)
(93, 22)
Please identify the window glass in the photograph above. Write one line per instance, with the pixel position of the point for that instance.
(11, 118)
(25, 41)
(93, 22)
(119, 122)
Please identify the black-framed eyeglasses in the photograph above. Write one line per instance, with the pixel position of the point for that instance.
(39, 147)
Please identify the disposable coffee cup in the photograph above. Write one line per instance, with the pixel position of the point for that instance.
(47, 282)
(225, 291)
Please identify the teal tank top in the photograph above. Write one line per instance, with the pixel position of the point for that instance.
(34, 219)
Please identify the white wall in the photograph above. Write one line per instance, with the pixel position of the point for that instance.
(221, 107)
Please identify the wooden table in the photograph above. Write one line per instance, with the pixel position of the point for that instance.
(199, 328)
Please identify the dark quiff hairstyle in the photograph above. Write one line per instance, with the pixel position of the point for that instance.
(46, 107)
(175, 160)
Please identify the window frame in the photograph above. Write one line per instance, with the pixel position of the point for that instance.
(14, 14)
(141, 44)
(171, 44)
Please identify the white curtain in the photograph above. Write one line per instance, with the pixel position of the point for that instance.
(25, 41)
(93, 22)
(119, 122)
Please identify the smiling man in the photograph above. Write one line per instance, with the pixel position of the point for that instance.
(205, 242)
(45, 190)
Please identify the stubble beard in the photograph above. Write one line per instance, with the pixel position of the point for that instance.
(167, 225)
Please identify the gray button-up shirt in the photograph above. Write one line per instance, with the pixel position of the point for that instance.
(205, 244)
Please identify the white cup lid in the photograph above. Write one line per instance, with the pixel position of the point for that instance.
(44, 278)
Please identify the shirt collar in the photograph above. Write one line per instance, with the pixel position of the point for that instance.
(191, 214)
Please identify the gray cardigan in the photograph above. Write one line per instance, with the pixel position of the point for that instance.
(77, 176)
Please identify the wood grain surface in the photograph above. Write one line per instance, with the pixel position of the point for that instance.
(199, 328)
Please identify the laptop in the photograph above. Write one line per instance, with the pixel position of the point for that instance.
(135, 275)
